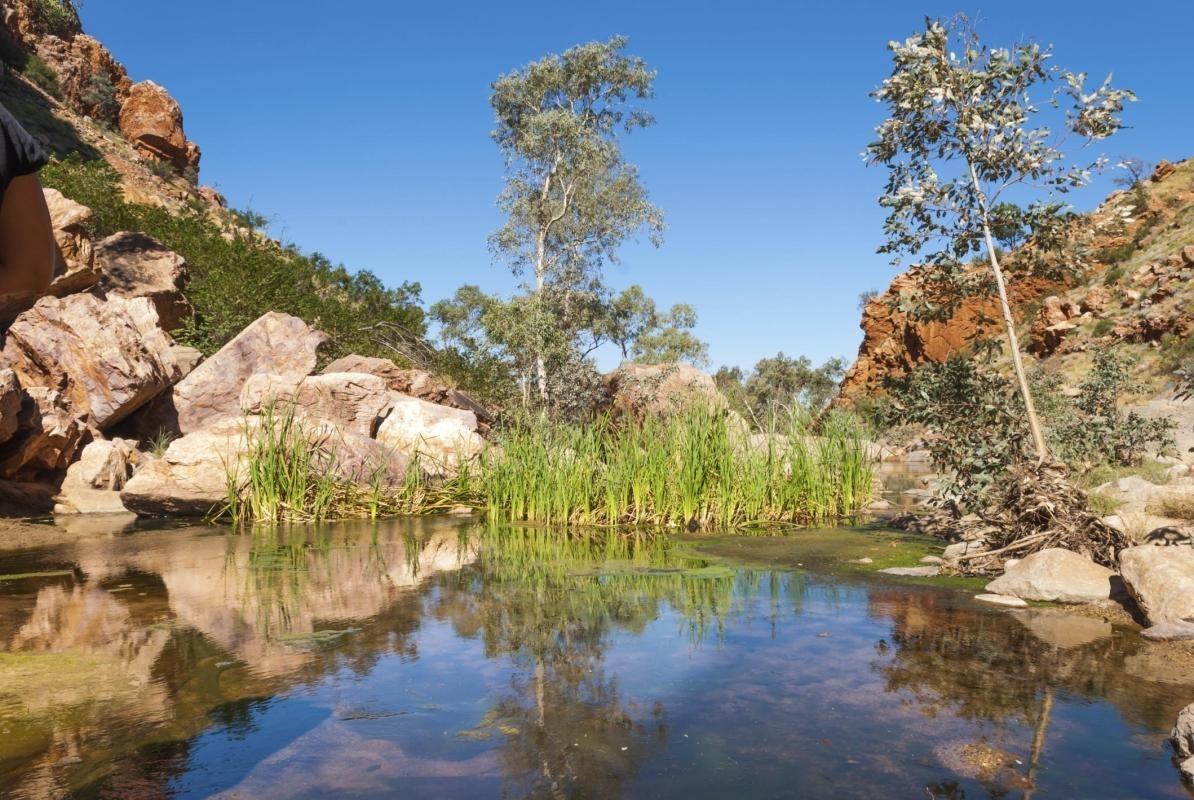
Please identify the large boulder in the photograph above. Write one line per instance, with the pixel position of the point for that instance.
(74, 270)
(137, 265)
(351, 402)
(441, 437)
(107, 358)
(275, 344)
(641, 389)
(48, 435)
(192, 477)
(1183, 742)
(414, 382)
(92, 484)
(10, 404)
(69, 219)
(1055, 575)
(1161, 580)
(152, 120)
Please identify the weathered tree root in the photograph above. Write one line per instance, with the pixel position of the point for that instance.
(1034, 509)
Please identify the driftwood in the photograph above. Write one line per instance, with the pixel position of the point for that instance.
(1036, 508)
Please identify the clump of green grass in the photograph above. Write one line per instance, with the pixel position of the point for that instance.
(282, 476)
(1153, 471)
(159, 443)
(694, 470)
(288, 475)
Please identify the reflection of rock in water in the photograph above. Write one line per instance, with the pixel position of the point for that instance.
(338, 760)
(1000, 665)
(159, 615)
(983, 762)
(1063, 630)
(252, 594)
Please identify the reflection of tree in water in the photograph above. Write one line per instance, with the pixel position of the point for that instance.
(550, 603)
(1007, 668)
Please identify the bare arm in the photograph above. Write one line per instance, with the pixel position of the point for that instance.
(27, 247)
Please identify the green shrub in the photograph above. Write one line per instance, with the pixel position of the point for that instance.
(1116, 254)
(1176, 352)
(976, 421)
(163, 169)
(1103, 327)
(1092, 429)
(1113, 275)
(55, 17)
(235, 279)
(978, 432)
(100, 100)
(42, 76)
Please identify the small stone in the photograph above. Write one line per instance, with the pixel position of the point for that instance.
(864, 561)
(1001, 600)
(912, 572)
(1170, 631)
(932, 560)
(958, 549)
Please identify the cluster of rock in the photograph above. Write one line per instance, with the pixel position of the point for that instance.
(145, 113)
(91, 370)
(1157, 580)
(1137, 306)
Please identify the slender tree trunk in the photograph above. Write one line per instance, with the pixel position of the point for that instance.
(540, 283)
(1034, 422)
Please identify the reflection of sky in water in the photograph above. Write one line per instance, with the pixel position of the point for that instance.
(468, 682)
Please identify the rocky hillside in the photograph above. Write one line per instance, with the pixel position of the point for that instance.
(73, 95)
(1138, 295)
(104, 407)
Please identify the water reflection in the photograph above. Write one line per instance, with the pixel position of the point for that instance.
(447, 661)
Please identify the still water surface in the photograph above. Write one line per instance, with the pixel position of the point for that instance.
(423, 659)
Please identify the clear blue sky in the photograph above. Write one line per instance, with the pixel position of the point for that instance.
(361, 129)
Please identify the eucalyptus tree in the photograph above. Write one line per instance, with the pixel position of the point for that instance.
(965, 136)
(570, 198)
(642, 333)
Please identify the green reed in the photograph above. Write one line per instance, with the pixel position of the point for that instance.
(288, 475)
(696, 469)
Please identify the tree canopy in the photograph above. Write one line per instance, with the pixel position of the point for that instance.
(964, 139)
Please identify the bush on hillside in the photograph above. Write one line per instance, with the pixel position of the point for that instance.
(235, 278)
(100, 99)
(42, 75)
(1091, 428)
(977, 422)
(55, 17)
